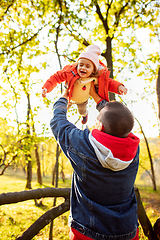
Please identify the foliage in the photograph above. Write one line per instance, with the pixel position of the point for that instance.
(144, 171)
(29, 33)
(28, 36)
(47, 152)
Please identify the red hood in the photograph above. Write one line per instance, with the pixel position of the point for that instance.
(122, 148)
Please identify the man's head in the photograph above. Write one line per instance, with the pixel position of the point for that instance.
(116, 119)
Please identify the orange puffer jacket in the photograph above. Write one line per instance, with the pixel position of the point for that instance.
(69, 75)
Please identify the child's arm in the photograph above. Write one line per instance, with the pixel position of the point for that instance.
(51, 83)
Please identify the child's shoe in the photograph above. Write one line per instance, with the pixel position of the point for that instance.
(84, 119)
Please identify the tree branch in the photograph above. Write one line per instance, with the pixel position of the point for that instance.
(104, 21)
(44, 220)
(7, 9)
(15, 197)
(143, 219)
(118, 14)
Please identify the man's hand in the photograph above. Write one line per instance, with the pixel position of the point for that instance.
(93, 93)
(66, 93)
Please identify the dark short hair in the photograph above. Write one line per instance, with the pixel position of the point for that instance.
(117, 119)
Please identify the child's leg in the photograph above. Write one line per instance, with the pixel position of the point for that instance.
(82, 109)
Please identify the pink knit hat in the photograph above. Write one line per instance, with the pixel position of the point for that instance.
(92, 53)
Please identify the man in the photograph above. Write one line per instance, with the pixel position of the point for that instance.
(105, 163)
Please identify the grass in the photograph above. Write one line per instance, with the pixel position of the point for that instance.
(151, 202)
(16, 218)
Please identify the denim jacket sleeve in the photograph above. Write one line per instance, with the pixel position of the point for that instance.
(101, 105)
(59, 124)
(73, 141)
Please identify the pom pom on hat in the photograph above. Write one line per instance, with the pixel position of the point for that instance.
(92, 53)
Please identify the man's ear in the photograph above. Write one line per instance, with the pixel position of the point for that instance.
(102, 128)
(99, 126)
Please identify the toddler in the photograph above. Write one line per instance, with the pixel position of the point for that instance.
(78, 77)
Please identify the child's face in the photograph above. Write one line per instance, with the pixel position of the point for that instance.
(85, 68)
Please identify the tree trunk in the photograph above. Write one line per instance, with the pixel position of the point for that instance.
(56, 185)
(62, 175)
(53, 174)
(157, 229)
(39, 175)
(28, 155)
(57, 165)
(143, 219)
(29, 174)
(158, 92)
(108, 57)
(150, 158)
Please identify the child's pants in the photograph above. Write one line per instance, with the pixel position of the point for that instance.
(82, 108)
(75, 235)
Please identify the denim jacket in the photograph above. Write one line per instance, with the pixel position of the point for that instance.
(103, 202)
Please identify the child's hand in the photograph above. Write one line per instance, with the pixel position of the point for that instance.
(44, 91)
(122, 90)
